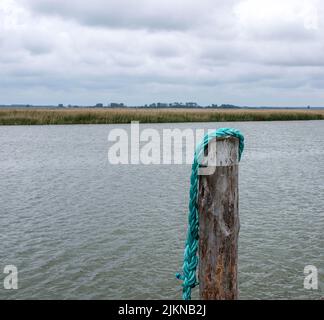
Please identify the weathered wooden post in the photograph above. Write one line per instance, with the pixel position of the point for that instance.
(219, 221)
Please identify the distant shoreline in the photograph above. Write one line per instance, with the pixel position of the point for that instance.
(59, 116)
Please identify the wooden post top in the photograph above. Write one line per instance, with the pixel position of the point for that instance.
(221, 152)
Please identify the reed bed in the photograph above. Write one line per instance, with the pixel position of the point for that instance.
(35, 116)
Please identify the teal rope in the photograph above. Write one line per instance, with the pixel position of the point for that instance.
(190, 262)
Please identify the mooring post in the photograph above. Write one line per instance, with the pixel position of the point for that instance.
(219, 221)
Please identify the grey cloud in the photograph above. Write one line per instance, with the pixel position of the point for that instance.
(37, 46)
(147, 14)
(157, 50)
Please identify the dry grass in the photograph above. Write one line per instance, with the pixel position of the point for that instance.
(105, 116)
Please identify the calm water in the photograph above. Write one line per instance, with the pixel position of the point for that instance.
(79, 228)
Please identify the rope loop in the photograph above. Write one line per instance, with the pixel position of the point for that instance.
(190, 260)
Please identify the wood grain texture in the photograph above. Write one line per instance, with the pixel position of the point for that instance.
(219, 223)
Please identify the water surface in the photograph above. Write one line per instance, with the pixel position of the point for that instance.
(78, 227)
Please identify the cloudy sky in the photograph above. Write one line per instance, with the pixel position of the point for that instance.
(248, 52)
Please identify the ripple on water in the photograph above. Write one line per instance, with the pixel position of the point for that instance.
(79, 228)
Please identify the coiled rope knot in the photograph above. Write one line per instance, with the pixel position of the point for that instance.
(190, 260)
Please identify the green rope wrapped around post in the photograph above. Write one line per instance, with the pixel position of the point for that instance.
(190, 263)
